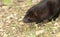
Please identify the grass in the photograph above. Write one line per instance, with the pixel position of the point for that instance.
(14, 28)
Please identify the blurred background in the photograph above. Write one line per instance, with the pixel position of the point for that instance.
(11, 14)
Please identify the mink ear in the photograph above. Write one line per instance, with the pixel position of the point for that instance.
(35, 13)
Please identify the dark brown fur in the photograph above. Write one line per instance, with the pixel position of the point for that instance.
(45, 10)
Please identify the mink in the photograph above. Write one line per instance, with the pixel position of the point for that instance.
(44, 10)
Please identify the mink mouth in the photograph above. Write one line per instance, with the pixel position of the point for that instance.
(25, 20)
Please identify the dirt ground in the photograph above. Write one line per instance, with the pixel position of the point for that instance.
(11, 24)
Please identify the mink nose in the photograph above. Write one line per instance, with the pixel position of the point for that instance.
(26, 20)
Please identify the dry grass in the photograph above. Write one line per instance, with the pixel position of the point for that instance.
(12, 26)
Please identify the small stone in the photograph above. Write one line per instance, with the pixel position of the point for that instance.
(20, 19)
(10, 16)
(39, 32)
(56, 24)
